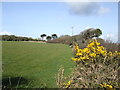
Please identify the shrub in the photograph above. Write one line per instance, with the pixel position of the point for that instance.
(95, 68)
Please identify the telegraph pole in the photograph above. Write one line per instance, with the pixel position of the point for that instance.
(72, 34)
(72, 30)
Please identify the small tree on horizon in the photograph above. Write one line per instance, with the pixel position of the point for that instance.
(43, 35)
(54, 36)
(48, 38)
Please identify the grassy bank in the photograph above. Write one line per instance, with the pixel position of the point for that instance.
(35, 65)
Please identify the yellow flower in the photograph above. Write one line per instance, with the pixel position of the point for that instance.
(78, 54)
(68, 83)
(86, 57)
(93, 50)
(104, 52)
(78, 59)
(93, 55)
(106, 86)
(90, 45)
(79, 50)
(74, 59)
(110, 53)
(109, 86)
(116, 53)
(97, 43)
(119, 53)
(82, 58)
(102, 47)
(86, 50)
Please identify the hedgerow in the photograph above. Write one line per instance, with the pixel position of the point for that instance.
(95, 68)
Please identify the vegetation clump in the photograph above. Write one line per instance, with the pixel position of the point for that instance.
(16, 38)
(95, 68)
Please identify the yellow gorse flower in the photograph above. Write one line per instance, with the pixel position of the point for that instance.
(78, 54)
(82, 58)
(110, 54)
(68, 84)
(92, 55)
(74, 59)
(92, 51)
(86, 50)
(106, 86)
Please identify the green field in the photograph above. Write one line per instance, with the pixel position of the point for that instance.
(34, 65)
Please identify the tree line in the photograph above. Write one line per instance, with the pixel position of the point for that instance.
(80, 38)
(83, 36)
(16, 38)
(53, 36)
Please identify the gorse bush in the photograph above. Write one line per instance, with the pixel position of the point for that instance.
(95, 68)
(93, 53)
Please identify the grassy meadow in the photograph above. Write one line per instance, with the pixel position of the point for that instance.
(34, 65)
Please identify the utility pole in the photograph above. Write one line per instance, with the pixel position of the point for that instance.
(72, 30)
(72, 34)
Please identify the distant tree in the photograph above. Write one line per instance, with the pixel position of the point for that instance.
(90, 33)
(36, 39)
(98, 32)
(48, 38)
(54, 36)
(15, 38)
(43, 35)
(64, 36)
(6, 38)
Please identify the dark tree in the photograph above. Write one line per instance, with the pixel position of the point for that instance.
(43, 35)
(90, 33)
(98, 32)
(48, 38)
(54, 36)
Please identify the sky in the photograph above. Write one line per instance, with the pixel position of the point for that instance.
(31, 19)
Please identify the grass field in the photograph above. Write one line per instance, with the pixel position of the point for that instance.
(34, 65)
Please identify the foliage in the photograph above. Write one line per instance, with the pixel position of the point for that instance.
(95, 68)
(90, 33)
(81, 38)
(54, 36)
(48, 38)
(64, 39)
(16, 38)
(110, 46)
(43, 35)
